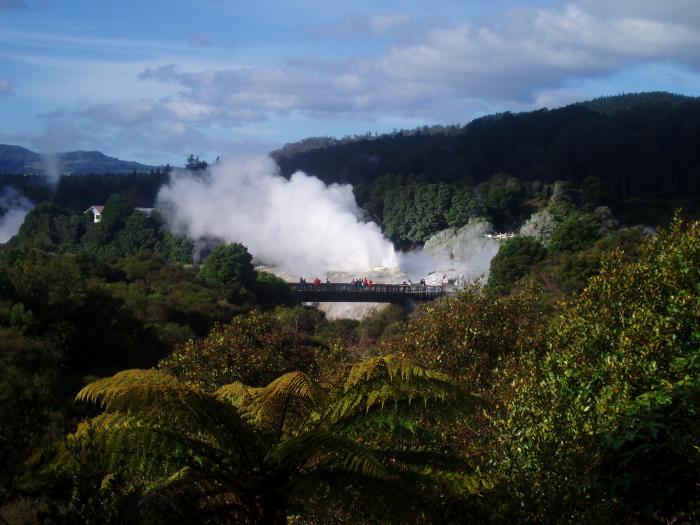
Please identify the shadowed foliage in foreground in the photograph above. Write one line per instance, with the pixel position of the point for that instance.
(254, 455)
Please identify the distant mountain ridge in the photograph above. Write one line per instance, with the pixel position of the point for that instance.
(16, 160)
(613, 103)
(639, 146)
(607, 105)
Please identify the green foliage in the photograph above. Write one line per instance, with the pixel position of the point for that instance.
(28, 384)
(114, 216)
(51, 228)
(513, 261)
(577, 232)
(416, 211)
(644, 151)
(563, 274)
(271, 290)
(122, 232)
(252, 348)
(502, 199)
(612, 404)
(468, 334)
(229, 265)
(594, 193)
(650, 464)
(382, 323)
(67, 317)
(259, 454)
(463, 207)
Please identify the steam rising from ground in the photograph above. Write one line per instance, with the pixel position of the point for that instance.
(300, 224)
(303, 227)
(13, 208)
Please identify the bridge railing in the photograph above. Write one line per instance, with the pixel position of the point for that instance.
(417, 290)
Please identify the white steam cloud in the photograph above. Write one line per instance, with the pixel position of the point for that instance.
(13, 208)
(300, 224)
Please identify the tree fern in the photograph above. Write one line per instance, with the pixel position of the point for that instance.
(255, 451)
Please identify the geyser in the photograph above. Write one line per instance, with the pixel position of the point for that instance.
(300, 224)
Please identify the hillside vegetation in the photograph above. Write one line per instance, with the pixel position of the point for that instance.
(138, 387)
(641, 147)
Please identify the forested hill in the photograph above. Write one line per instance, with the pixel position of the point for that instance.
(16, 160)
(641, 145)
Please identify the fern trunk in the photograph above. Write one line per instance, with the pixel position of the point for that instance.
(270, 511)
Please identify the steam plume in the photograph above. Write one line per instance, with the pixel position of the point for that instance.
(13, 208)
(300, 224)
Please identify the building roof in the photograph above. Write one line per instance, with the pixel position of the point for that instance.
(96, 208)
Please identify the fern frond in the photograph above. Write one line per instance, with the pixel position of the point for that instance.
(237, 393)
(327, 451)
(413, 395)
(392, 365)
(103, 391)
(285, 404)
(296, 385)
(159, 451)
(165, 402)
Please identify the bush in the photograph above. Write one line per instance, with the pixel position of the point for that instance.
(252, 348)
(229, 265)
(513, 261)
(577, 232)
(603, 427)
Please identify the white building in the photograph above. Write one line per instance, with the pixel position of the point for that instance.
(96, 212)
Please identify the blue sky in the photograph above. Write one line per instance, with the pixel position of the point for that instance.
(156, 80)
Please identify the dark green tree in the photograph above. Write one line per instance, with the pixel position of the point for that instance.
(139, 233)
(462, 208)
(502, 199)
(115, 214)
(513, 261)
(594, 192)
(577, 232)
(229, 265)
(51, 228)
(194, 164)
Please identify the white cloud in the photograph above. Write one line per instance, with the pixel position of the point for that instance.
(526, 57)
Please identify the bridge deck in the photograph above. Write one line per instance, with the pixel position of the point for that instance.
(378, 293)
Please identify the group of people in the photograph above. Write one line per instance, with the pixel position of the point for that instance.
(409, 283)
(315, 282)
(362, 283)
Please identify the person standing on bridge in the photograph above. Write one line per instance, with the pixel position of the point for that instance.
(370, 284)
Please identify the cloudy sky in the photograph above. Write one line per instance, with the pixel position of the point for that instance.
(153, 80)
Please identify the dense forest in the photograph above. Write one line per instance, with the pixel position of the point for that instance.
(492, 406)
(147, 378)
(641, 147)
(78, 192)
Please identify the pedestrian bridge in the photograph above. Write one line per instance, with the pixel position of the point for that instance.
(352, 293)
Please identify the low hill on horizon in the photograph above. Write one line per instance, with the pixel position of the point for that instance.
(17, 160)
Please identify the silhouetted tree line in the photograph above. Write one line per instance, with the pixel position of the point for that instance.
(648, 150)
(77, 192)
